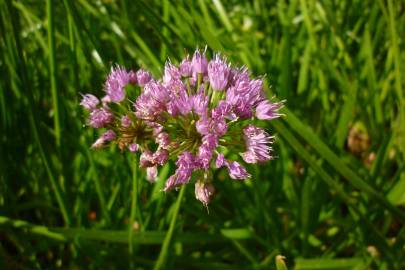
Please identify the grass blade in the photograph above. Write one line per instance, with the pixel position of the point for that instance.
(330, 264)
(324, 151)
(223, 15)
(121, 236)
(98, 185)
(161, 261)
(35, 229)
(295, 144)
(346, 116)
(32, 114)
(398, 84)
(52, 70)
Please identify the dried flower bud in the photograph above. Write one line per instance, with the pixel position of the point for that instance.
(204, 192)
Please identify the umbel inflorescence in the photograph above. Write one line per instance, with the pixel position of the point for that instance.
(200, 114)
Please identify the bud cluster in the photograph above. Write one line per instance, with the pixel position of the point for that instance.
(200, 114)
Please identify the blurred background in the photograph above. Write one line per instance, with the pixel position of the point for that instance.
(332, 199)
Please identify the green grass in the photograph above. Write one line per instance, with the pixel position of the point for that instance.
(320, 204)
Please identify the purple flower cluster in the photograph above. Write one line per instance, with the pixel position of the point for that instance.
(201, 114)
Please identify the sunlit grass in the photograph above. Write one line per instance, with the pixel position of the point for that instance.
(333, 198)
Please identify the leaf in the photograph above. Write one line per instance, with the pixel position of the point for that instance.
(397, 193)
(330, 264)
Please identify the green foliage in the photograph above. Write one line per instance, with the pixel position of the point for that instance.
(332, 199)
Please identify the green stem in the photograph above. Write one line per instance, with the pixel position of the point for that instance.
(161, 261)
(133, 205)
(188, 86)
(52, 69)
(199, 79)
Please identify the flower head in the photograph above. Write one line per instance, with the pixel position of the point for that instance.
(185, 165)
(199, 114)
(146, 159)
(163, 140)
(143, 77)
(89, 102)
(161, 156)
(152, 101)
(199, 62)
(237, 171)
(107, 136)
(133, 147)
(220, 161)
(258, 143)
(186, 68)
(101, 117)
(116, 81)
(218, 73)
(266, 110)
(126, 121)
(171, 73)
(151, 174)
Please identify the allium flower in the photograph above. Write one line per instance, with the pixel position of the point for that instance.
(105, 100)
(126, 121)
(107, 136)
(160, 156)
(163, 140)
(236, 171)
(185, 167)
(220, 161)
(152, 101)
(171, 73)
(133, 147)
(143, 77)
(151, 174)
(258, 143)
(199, 62)
(101, 117)
(218, 73)
(200, 114)
(266, 110)
(116, 81)
(186, 68)
(89, 102)
(146, 159)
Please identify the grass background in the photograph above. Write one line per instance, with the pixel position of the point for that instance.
(333, 199)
